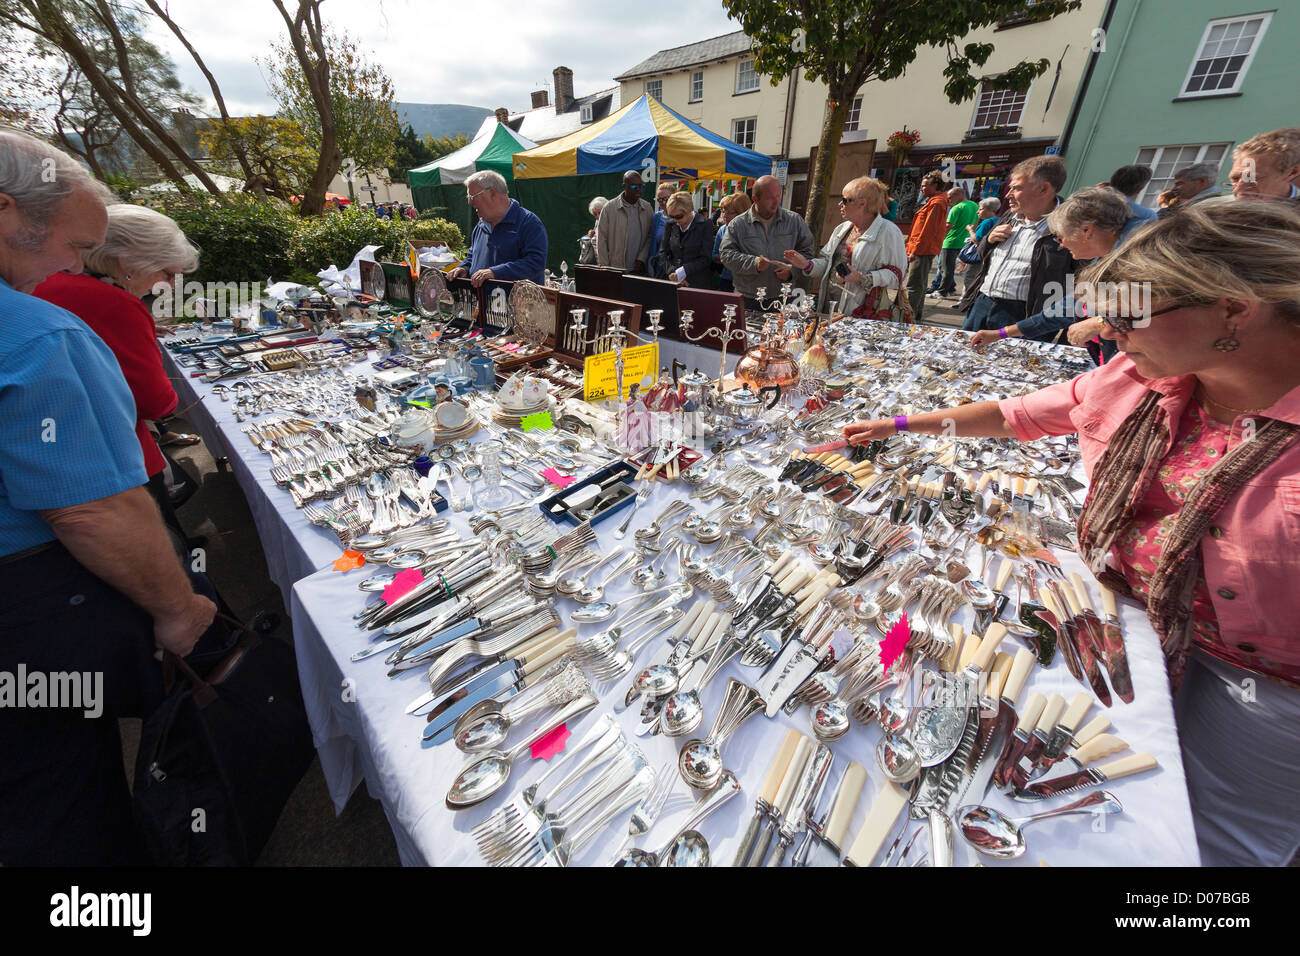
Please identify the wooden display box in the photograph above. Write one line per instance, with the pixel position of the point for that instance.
(567, 347)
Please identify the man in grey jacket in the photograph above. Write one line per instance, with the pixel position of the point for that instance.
(755, 244)
(624, 228)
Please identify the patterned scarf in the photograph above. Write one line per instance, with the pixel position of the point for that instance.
(1119, 483)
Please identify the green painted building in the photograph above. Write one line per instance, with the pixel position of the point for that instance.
(1175, 82)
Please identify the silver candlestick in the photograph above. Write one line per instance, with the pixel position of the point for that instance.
(729, 319)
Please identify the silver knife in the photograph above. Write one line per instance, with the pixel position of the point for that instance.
(1088, 777)
(827, 837)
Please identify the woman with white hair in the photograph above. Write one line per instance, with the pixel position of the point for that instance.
(588, 256)
(142, 248)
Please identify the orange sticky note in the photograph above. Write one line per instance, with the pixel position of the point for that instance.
(349, 561)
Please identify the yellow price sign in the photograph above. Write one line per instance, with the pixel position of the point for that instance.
(640, 364)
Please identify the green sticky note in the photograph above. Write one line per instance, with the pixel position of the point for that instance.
(541, 422)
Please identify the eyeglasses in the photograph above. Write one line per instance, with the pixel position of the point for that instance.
(1123, 324)
(473, 196)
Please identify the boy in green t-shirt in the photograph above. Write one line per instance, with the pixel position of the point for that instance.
(961, 213)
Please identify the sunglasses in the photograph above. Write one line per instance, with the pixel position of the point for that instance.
(677, 216)
(1124, 324)
(637, 188)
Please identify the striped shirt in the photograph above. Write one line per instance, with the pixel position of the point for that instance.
(1008, 276)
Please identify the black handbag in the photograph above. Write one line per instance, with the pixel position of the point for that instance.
(220, 757)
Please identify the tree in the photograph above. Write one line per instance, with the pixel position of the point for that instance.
(28, 81)
(343, 102)
(272, 153)
(409, 152)
(440, 146)
(101, 39)
(846, 43)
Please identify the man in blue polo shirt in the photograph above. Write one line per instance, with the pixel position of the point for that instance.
(91, 579)
(508, 241)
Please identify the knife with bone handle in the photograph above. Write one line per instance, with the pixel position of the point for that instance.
(798, 660)
(881, 821)
(1102, 745)
(994, 729)
(1083, 640)
(1088, 614)
(806, 791)
(1116, 653)
(767, 796)
(826, 836)
(783, 800)
(1086, 778)
(990, 695)
(1054, 602)
(1019, 739)
(661, 656)
(435, 620)
(1052, 710)
(1063, 733)
(1098, 725)
(441, 645)
(503, 682)
(526, 634)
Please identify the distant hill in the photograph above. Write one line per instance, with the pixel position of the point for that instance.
(442, 119)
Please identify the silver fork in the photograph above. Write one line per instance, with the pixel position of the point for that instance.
(604, 735)
(641, 495)
(589, 800)
(559, 853)
(648, 810)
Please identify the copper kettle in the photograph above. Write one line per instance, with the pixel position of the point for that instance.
(768, 364)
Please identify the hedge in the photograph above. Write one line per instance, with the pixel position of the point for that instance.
(248, 239)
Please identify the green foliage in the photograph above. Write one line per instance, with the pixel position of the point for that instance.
(243, 239)
(276, 150)
(361, 96)
(440, 146)
(409, 152)
(334, 238)
(438, 230)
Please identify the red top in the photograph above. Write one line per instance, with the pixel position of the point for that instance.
(928, 228)
(126, 326)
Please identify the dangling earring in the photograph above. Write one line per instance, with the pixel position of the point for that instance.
(1229, 342)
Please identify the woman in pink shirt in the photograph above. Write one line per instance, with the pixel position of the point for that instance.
(1191, 441)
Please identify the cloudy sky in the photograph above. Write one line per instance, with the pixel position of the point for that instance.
(483, 53)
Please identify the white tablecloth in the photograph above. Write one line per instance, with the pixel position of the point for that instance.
(295, 548)
(361, 730)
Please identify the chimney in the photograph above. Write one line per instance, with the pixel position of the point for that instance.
(563, 77)
(541, 98)
(503, 115)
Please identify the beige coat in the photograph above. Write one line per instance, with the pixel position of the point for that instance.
(611, 233)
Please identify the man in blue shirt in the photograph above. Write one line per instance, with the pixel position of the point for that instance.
(92, 581)
(1130, 180)
(508, 241)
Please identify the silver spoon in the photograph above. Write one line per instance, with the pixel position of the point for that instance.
(593, 593)
(995, 835)
(489, 772)
(728, 787)
(690, 850)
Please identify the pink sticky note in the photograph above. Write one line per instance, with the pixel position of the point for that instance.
(403, 583)
(557, 479)
(511, 347)
(891, 648)
(552, 744)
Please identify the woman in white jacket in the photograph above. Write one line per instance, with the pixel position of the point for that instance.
(866, 244)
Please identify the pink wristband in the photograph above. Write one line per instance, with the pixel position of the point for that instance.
(900, 423)
(1002, 332)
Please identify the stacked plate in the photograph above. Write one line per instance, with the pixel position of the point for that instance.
(512, 416)
(452, 422)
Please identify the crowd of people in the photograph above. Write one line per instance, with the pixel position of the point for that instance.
(1188, 432)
